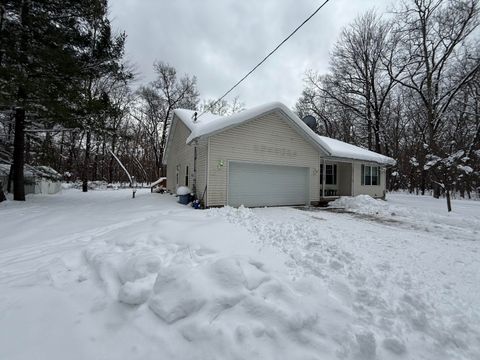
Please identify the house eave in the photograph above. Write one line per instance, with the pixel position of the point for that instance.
(349, 160)
(279, 110)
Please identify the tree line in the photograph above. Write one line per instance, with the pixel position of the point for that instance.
(406, 84)
(68, 100)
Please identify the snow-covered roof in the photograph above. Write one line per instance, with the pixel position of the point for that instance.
(341, 149)
(203, 123)
(208, 124)
(5, 170)
(33, 171)
(47, 172)
(155, 183)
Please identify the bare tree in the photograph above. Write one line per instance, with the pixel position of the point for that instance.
(408, 88)
(223, 107)
(435, 37)
(359, 82)
(157, 102)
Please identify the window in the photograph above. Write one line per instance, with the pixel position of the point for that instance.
(186, 176)
(330, 174)
(370, 175)
(375, 175)
(177, 174)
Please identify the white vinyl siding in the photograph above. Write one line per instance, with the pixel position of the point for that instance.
(181, 155)
(268, 140)
(372, 190)
(201, 178)
(267, 185)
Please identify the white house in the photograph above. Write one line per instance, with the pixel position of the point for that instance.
(266, 156)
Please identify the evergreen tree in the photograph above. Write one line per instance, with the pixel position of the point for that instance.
(58, 61)
(39, 65)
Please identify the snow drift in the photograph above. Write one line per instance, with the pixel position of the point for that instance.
(231, 307)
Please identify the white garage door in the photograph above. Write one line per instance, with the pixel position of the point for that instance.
(267, 185)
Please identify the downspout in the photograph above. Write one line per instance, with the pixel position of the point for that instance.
(195, 143)
(194, 180)
(207, 172)
(323, 178)
(352, 182)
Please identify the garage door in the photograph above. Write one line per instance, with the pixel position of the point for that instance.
(267, 185)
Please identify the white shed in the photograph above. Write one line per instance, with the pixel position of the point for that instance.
(38, 179)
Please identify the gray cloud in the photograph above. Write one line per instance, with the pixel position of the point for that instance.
(219, 41)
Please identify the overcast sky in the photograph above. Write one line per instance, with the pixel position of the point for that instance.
(220, 40)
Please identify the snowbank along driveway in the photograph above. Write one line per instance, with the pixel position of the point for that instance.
(104, 276)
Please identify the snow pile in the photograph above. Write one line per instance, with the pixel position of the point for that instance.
(67, 186)
(364, 204)
(223, 306)
(183, 190)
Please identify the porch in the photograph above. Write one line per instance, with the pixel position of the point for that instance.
(336, 179)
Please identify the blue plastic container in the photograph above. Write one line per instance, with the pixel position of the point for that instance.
(184, 199)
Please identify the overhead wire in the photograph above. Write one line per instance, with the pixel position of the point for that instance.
(265, 58)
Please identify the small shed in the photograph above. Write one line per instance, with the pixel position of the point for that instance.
(38, 179)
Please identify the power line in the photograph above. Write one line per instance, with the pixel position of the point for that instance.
(266, 57)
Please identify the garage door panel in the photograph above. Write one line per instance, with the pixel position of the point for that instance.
(266, 185)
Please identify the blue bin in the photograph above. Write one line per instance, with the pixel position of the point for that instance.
(184, 199)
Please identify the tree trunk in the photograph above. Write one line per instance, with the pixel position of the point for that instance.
(19, 156)
(376, 129)
(423, 181)
(162, 145)
(436, 191)
(103, 166)
(449, 203)
(59, 162)
(112, 160)
(86, 163)
(2, 195)
(10, 180)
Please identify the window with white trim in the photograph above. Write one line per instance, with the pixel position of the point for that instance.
(330, 174)
(370, 175)
(186, 176)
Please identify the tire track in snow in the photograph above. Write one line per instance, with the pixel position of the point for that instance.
(34, 256)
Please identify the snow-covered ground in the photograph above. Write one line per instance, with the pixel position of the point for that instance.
(104, 276)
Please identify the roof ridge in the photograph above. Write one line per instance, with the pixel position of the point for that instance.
(211, 123)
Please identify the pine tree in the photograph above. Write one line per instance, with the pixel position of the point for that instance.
(39, 42)
(58, 59)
